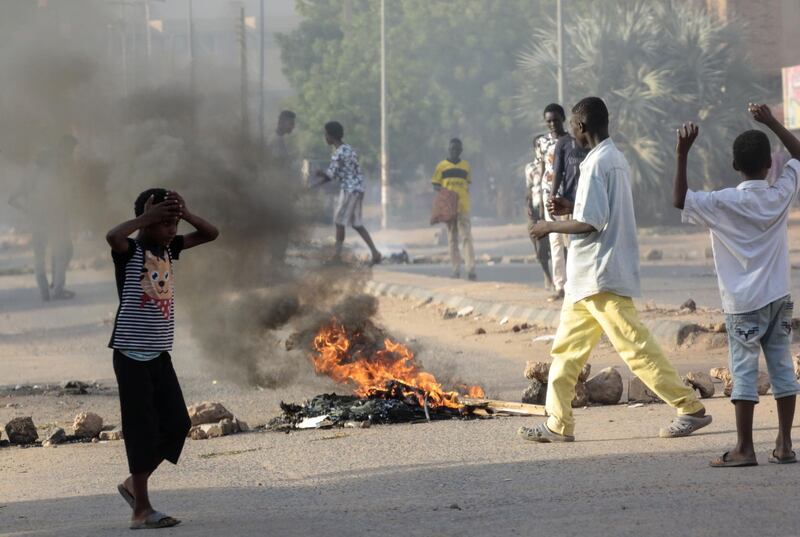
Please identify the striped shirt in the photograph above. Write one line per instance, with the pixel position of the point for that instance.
(145, 284)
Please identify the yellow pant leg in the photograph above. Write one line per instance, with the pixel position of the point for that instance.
(618, 317)
(578, 332)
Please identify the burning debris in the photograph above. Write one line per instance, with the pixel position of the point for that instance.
(388, 385)
(381, 372)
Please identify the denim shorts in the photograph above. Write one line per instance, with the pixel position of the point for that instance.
(768, 329)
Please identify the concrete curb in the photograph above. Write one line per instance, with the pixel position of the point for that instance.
(668, 332)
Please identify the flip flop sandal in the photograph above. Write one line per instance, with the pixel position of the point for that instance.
(724, 462)
(126, 495)
(684, 426)
(154, 521)
(541, 433)
(791, 459)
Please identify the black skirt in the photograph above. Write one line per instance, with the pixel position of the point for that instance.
(154, 417)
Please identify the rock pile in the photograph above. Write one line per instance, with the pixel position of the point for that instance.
(110, 435)
(212, 420)
(605, 388)
(639, 393)
(724, 374)
(702, 382)
(536, 392)
(87, 425)
(22, 431)
(54, 437)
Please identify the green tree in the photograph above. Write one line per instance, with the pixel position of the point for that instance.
(657, 65)
(450, 73)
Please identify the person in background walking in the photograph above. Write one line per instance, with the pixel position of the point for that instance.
(283, 174)
(454, 174)
(43, 199)
(344, 167)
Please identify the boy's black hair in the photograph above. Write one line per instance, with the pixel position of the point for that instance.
(751, 152)
(556, 109)
(159, 195)
(286, 114)
(456, 140)
(592, 112)
(335, 130)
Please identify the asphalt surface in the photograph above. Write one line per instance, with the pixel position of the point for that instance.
(433, 479)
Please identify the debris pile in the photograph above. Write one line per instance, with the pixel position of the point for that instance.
(332, 410)
(212, 420)
(87, 427)
(70, 387)
(536, 392)
(393, 406)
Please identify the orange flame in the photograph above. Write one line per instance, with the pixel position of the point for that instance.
(377, 371)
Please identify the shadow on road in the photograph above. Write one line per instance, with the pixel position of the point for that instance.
(670, 494)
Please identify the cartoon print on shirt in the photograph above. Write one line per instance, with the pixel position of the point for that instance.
(156, 279)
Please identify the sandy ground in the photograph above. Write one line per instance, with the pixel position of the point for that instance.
(437, 479)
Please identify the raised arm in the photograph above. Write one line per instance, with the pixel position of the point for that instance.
(117, 237)
(204, 231)
(687, 134)
(763, 114)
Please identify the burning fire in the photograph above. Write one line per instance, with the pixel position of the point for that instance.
(388, 372)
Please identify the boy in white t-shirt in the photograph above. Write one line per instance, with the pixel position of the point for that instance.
(750, 241)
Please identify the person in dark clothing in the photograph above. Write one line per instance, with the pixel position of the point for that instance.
(567, 167)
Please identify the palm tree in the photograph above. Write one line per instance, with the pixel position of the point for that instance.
(657, 65)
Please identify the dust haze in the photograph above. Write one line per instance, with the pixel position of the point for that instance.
(241, 301)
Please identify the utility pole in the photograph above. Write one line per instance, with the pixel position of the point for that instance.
(243, 64)
(148, 35)
(560, 39)
(192, 55)
(124, 49)
(385, 187)
(261, 138)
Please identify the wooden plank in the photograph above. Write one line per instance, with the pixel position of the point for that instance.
(506, 407)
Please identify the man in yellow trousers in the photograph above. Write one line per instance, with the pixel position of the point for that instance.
(602, 276)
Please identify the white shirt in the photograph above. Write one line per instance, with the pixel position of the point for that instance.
(605, 260)
(749, 237)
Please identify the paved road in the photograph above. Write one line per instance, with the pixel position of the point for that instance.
(666, 284)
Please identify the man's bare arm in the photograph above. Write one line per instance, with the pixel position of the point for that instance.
(687, 134)
(763, 114)
(568, 227)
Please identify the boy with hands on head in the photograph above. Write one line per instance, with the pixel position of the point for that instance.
(154, 417)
